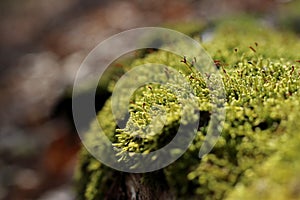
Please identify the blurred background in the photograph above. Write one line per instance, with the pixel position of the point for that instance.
(42, 44)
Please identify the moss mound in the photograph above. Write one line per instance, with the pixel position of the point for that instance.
(256, 155)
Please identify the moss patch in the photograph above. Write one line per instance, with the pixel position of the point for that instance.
(261, 74)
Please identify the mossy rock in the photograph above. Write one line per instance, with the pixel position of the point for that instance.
(256, 155)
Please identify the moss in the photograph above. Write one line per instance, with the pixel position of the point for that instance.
(278, 177)
(261, 79)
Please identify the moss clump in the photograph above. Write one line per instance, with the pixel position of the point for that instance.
(278, 177)
(261, 78)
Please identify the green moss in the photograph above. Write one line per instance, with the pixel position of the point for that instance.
(261, 79)
(278, 177)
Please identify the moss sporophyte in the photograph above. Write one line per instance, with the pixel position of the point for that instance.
(256, 155)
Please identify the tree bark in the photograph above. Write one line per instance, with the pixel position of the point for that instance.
(149, 186)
